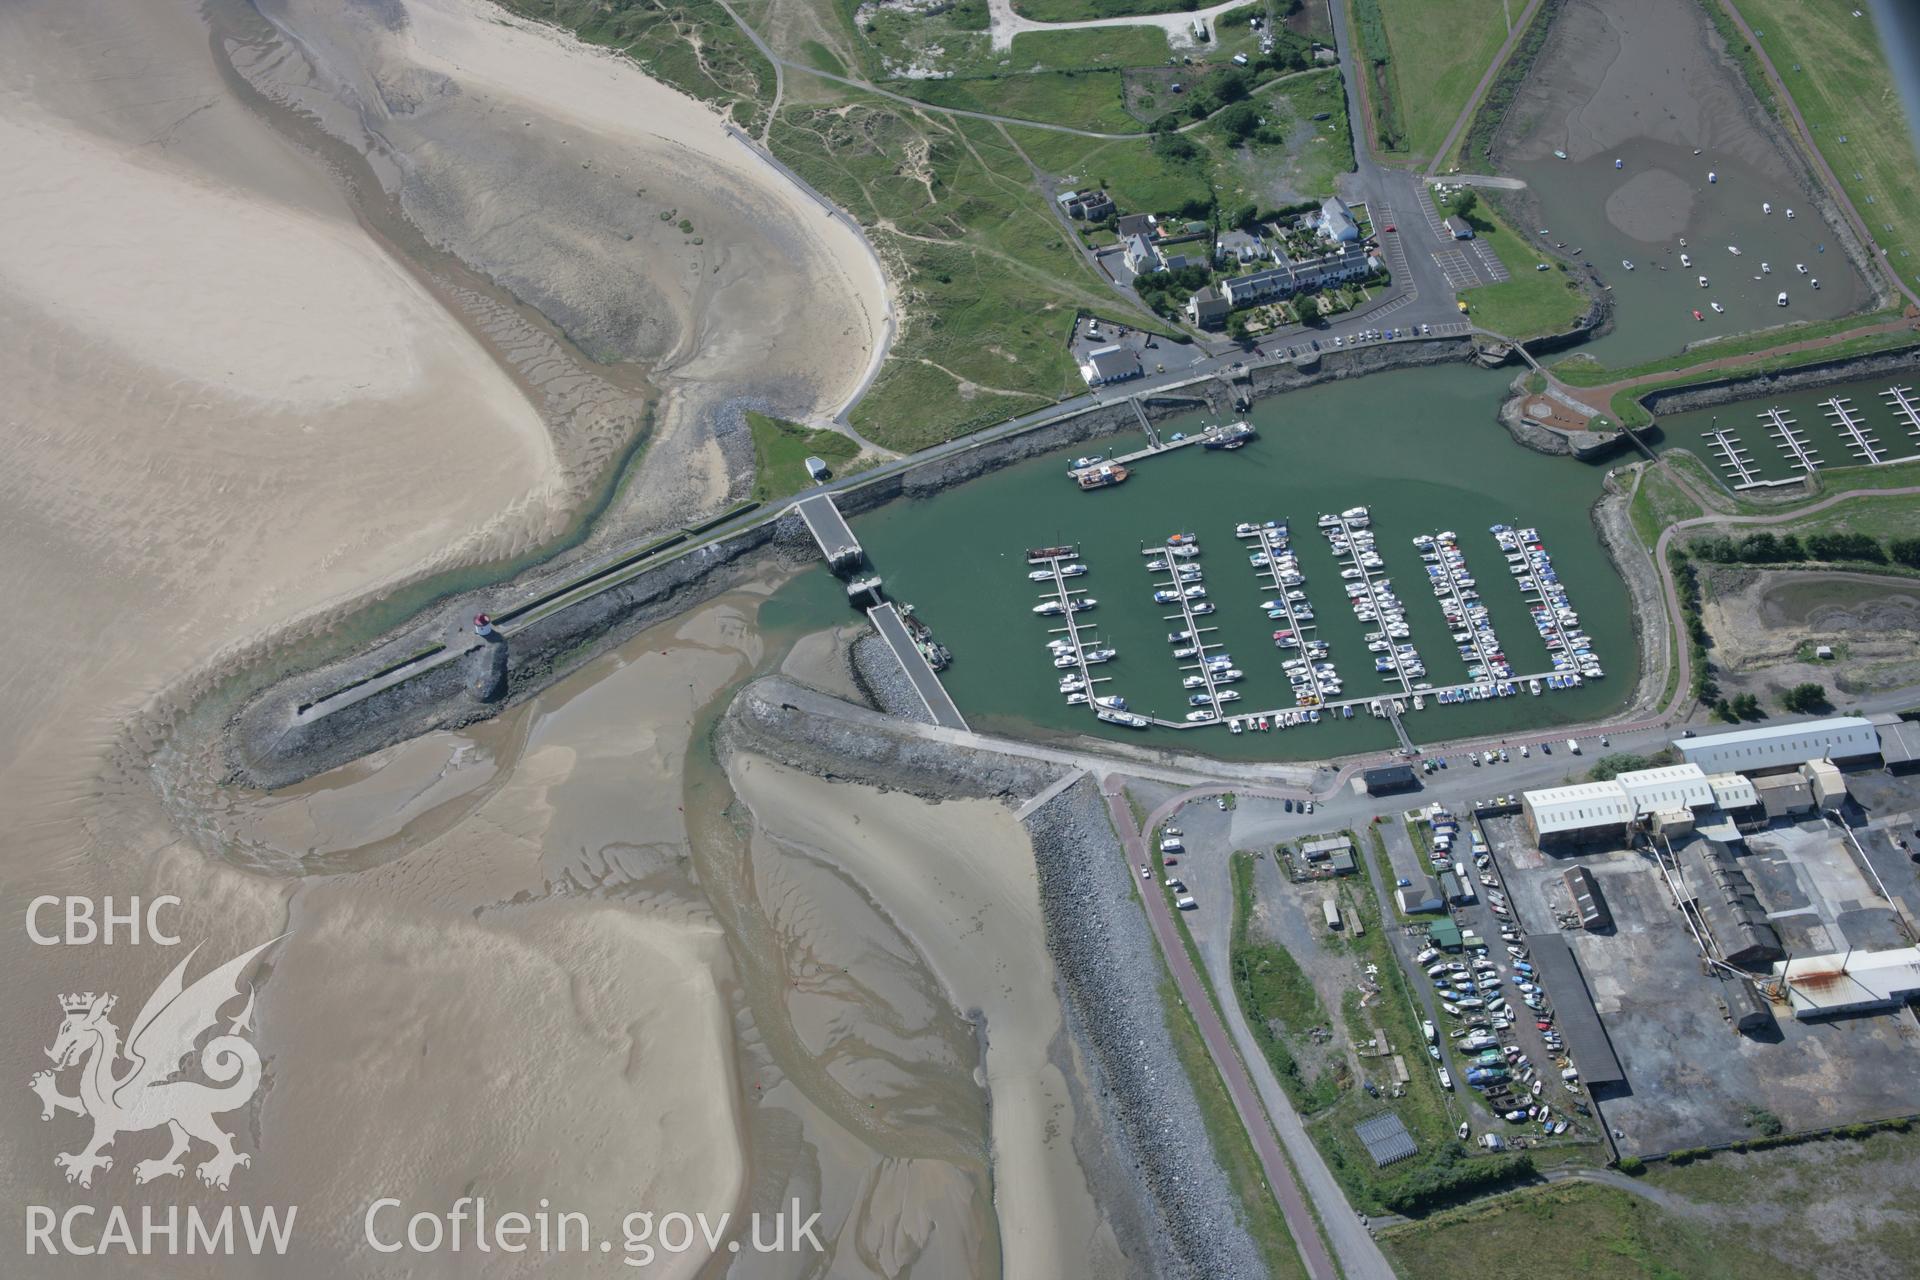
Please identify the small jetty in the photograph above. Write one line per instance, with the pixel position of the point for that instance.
(1733, 456)
(1553, 615)
(1207, 669)
(1790, 440)
(1074, 651)
(1905, 408)
(1454, 587)
(1853, 428)
(1370, 592)
(1220, 438)
(1314, 680)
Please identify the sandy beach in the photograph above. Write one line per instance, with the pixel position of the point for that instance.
(618, 207)
(237, 413)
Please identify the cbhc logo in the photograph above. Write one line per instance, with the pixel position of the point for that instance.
(83, 925)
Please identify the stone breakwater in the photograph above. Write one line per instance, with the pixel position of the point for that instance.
(825, 736)
(1111, 973)
(1809, 377)
(269, 745)
(881, 678)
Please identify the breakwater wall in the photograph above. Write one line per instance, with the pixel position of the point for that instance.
(271, 744)
(1808, 377)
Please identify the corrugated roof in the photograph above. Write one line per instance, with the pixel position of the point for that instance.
(1783, 745)
(1851, 980)
(1731, 791)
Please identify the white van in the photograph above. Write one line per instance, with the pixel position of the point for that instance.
(1185, 902)
(1573, 746)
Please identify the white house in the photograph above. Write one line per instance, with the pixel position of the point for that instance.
(1110, 364)
(1335, 221)
(1142, 257)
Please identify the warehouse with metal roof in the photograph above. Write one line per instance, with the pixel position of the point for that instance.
(1851, 982)
(1606, 810)
(1725, 903)
(1774, 747)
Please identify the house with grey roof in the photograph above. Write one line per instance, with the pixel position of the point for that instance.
(1208, 309)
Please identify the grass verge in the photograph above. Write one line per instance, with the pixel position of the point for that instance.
(1530, 304)
(1232, 1148)
(780, 450)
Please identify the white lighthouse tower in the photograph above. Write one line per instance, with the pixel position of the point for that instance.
(482, 625)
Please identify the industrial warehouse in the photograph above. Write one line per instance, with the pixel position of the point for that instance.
(1753, 901)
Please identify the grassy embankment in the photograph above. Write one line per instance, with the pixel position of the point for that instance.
(1367, 28)
(1833, 65)
(1231, 1146)
(1625, 405)
(1476, 147)
(1437, 51)
(1661, 502)
(1532, 302)
(1281, 1004)
(780, 451)
(1582, 370)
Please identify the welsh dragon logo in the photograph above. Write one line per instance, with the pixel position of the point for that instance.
(149, 1091)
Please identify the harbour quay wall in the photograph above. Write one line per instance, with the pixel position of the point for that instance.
(1806, 377)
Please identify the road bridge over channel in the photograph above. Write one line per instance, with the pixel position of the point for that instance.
(829, 529)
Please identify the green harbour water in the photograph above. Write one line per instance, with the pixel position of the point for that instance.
(1420, 448)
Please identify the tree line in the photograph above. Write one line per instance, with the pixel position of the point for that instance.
(1789, 548)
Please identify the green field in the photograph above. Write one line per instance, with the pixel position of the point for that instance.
(1582, 370)
(1092, 100)
(780, 450)
(1081, 10)
(1533, 302)
(1101, 47)
(1575, 1232)
(1832, 64)
(1172, 178)
(1438, 50)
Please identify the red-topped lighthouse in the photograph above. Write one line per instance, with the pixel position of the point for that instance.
(482, 625)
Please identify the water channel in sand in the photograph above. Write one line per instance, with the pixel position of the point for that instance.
(1421, 449)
